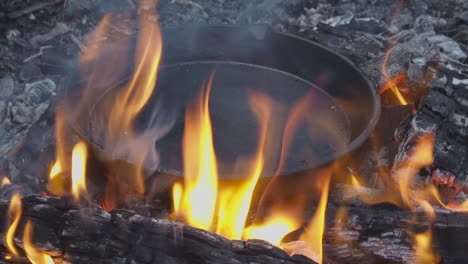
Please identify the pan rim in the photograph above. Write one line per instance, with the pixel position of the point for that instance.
(351, 146)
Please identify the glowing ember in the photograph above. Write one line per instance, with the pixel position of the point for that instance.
(79, 156)
(33, 254)
(15, 213)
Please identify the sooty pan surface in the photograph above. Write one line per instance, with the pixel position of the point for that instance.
(235, 127)
(341, 109)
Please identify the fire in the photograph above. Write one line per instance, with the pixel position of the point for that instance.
(423, 249)
(313, 234)
(404, 174)
(56, 185)
(33, 254)
(273, 229)
(392, 84)
(424, 254)
(202, 201)
(5, 181)
(355, 180)
(15, 212)
(117, 112)
(237, 200)
(79, 156)
(177, 191)
(200, 169)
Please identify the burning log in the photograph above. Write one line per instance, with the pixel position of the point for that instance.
(442, 112)
(92, 235)
(89, 234)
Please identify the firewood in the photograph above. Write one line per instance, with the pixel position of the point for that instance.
(368, 234)
(91, 235)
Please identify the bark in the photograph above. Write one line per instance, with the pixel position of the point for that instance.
(368, 234)
(91, 235)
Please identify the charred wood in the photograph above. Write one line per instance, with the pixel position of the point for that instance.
(369, 234)
(443, 113)
(91, 235)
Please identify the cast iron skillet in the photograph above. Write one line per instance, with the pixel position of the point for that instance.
(342, 107)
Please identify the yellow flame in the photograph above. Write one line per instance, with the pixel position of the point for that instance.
(234, 204)
(33, 254)
(274, 229)
(424, 253)
(203, 197)
(5, 182)
(313, 234)
(177, 191)
(79, 156)
(200, 168)
(355, 180)
(130, 101)
(422, 156)
(56, 183)
(15, 213)
(392, 84)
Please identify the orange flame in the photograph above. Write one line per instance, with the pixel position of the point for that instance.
(5, 182)
(422, 156)
(130, 101)
(234, 205)
(355, 180)
(202, 200)
(424, 254)
(15, 212)
(79, 156)
(310, 242)
(313, 234)
(200, 168)
(56, 184)
(116, 113)
(177, 192)
(274, 229)
(390, 83)
(33, 254)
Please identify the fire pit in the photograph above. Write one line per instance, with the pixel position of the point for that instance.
(172, 141)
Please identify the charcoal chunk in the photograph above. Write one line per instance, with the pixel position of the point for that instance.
(437, 104)
(29, 72)
(7, 87)
(447, 153)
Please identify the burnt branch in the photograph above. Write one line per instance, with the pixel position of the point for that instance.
(91, 235)
(369, 234)
(443, 113)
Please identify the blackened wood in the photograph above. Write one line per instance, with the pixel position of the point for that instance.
(91, 235)
(368, 234)
(443, 113)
